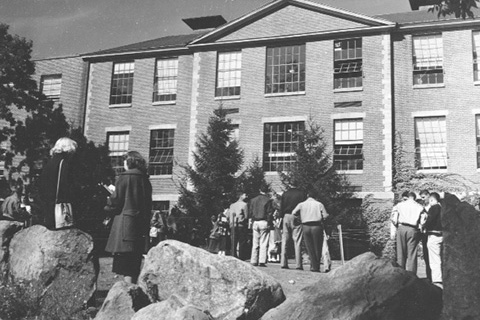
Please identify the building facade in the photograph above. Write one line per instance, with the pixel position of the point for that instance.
(367, 81)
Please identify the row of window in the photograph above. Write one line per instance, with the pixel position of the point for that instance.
(281, 138)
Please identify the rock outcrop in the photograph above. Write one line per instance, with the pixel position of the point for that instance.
(174, 308)
(227, 287)
(7, 230)
(122, 301)
(461, 259)
(58, 265)
(367, 287)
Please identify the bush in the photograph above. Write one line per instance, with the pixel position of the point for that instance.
(377, 217)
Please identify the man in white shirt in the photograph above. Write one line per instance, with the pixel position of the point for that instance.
(237, 214)
(408, 234)
(312, 214)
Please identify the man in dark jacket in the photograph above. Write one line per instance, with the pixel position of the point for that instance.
(292, 227)
(259, 212)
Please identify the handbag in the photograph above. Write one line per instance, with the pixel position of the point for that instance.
(153, 232)
(63, 211)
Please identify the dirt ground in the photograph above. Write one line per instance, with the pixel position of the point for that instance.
(292, 280)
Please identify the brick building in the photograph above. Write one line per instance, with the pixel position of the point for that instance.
(361, 78)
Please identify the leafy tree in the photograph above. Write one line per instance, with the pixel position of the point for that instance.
(313, 169)
(458, 8)
(210, 182)
(252, 179)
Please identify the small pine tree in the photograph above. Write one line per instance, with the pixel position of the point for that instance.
(252, 179)
(314, 169)
(210, 182)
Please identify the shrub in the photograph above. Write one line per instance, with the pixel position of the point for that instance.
(377, 217)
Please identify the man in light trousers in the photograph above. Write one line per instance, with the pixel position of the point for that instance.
(259, 213)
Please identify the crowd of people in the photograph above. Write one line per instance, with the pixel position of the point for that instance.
(273, 221)
(419, 220)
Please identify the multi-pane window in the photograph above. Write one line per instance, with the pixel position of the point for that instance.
(285, 69)
(477, 121)
(348, 148)
(280, 140)
(347, 64)
(427, 59)
(162, 206)
(122, 83)
(476, 52)
(229, 73)
(166, 73)
(161, 152)
(430, 143)
(51, 85)
(117, 147)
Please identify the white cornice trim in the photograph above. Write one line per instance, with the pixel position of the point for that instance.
(434, 26)
(128, 53)
(162, 126)
(433, 113)
(284, 119)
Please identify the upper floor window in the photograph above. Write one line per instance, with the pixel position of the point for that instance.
(117, 146)
(427, 59)
(166, 73)
(430, 143)
(51, 85)
(347, 64)
(285, 69)
(229, 73)
(279, 142)
(161, 152)
(122, 83)
(348, 148)
(476, 52)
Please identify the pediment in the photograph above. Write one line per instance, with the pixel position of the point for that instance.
(287, 18)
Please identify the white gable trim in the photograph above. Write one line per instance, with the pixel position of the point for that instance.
(301, 3)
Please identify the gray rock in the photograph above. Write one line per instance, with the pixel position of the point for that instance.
(225, 286)
(461, 260)
(173, 308)
(122, 301)
(59, 267)
(7, 230)
(367, 287)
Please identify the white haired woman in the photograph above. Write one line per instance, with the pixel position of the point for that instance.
(55, 180)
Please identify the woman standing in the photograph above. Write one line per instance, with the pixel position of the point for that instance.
(56, 180)
(433, 227)
(131, 203)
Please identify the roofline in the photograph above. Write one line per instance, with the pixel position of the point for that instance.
(298, 37)
(279, 3)
(125, 54)
(76, 55)
(441, 24)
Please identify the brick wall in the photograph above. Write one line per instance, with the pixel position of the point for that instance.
(72, 94)
(459, 97)
(142, 114)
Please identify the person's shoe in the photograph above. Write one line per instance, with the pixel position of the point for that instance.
(315, 270)
(255, 264)
(262, 265)
(298, 268)
(284, 267)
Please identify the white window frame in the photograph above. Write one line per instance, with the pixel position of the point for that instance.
(166, 80)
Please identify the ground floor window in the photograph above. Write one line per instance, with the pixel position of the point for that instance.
(161, 152)
(348, 144)
(279, 141)
(430, 143)
(117, 145)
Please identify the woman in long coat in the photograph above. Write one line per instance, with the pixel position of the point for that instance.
(49, 180)
(131, 203)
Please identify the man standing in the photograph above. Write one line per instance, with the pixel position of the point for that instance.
(424, 202)
(259, 213)
(237, 214)
(292, 227)
(407, 233)
(312, 213)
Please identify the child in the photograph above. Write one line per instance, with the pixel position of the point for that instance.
(277, 238)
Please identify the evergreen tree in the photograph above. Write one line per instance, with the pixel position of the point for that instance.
(314, 170)
(210, 182)
(252, 179)
(458, 8)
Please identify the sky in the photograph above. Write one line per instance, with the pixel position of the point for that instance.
(67, 27)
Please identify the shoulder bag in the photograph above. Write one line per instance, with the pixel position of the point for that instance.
(63, 211)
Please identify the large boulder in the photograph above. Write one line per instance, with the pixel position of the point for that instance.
(367, 287)
(122, 301)
(225, 286)
(7, 230)
(59, 267)
(174, 308)
(461, 260)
